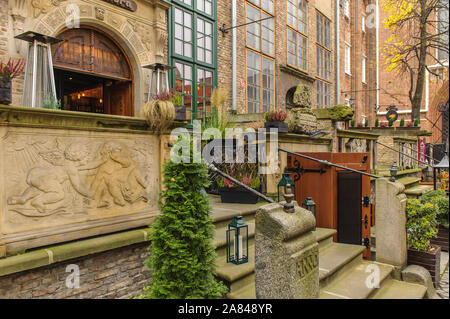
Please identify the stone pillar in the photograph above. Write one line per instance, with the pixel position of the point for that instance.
(390, 222)
(286, 254)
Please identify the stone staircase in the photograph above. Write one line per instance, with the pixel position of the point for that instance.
(342, 270)
(411, 179)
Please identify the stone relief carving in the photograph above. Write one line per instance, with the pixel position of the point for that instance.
(100, 13)
(44, 6)
(356, 146)
(162, 38)
(72, 177)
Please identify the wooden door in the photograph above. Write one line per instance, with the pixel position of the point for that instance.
(119, 98)
(321, 182)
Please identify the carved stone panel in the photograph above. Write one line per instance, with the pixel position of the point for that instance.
(50, 179)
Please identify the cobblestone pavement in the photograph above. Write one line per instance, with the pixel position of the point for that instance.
(443, 284)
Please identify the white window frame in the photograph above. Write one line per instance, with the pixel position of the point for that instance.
(347, 55)
(363, 23)
(347, 9)
(364, 69)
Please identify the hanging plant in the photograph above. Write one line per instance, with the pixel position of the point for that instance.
(160, 112)
(8, 71)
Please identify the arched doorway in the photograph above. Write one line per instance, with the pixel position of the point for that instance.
(92, 73)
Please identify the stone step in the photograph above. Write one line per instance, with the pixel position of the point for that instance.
(334, 258)
(394, 289)
(351, 284)
(409, 181)
(224, 213)
(324, 236)
(417, 191)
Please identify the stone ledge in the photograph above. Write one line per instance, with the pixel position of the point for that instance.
(48, 256)
(357, 134)
(44, 118)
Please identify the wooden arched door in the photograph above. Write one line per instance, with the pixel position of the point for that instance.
(92, 73)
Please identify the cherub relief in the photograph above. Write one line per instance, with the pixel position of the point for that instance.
(45, 184)
(117, 175)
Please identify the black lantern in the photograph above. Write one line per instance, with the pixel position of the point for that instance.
(285, 180)
(237, 241)
(393, 170)
(310, 205)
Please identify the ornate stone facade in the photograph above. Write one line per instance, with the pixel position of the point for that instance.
(141, 34)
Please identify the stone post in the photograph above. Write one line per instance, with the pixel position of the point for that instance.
(286, 254)
(390, 222)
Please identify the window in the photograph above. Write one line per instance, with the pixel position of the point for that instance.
(347, 8)
(347, 58)
(297, 30)
(442, 29)
(363, 69)
(323, 94)
(260, 63)
(363, 23)
(193, 53)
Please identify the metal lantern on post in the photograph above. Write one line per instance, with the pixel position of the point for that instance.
(393, 170)
(443, 165)
(159, 79)
(285, 180)
(39, 84)
(310, 205)
(237, 241)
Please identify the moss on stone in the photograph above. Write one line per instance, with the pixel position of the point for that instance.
(341, 112)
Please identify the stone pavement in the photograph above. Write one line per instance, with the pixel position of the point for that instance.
(442, 289)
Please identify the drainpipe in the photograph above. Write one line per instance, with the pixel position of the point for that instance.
(234, 53)
(377, 22)
(338, 74)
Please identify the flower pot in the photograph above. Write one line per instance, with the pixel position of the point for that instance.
(5, 91)
(430, 260)
(180, 113)
(237, 195)
(441, 239)
(282, 127)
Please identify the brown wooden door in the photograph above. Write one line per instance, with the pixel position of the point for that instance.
(119, 98)
(321, 182)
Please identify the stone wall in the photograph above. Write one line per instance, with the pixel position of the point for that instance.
(118, 273)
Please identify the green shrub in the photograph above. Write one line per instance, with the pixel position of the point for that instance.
(366, 123)
(391, 122)
(377, 123)
(353, 123)
(421, 225)
(416, 122)
(440, 199)
(182, 253)
(402, 122)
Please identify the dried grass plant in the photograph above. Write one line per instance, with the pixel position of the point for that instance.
(160, 114)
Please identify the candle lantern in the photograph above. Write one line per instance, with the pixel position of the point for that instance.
(237, 241)
(285, 180)
(159, 79)
(310, 205)
(39, 84)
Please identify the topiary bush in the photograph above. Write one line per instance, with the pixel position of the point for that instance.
(182, 253)
(421, 225)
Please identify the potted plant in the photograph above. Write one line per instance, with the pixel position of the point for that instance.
(377, 123)
(276, 119)
(366, 123)
(352, 123)
(177, 99)
(247, 174)
(391, 122)
(402, 122)
(416, 123)
(441, 200)
(8, 71)
(421, 227)
(383, 125)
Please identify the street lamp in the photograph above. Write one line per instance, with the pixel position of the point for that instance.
(310, 205)
(237, 241)
(159, 79)
(443, 165)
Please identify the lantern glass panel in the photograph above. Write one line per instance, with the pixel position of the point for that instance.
(153, 84)
(231, 246)
(163, 82)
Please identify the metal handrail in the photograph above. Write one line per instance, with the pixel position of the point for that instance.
(393, 149)
(328, 163)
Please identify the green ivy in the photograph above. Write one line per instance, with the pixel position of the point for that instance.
(182, 253)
